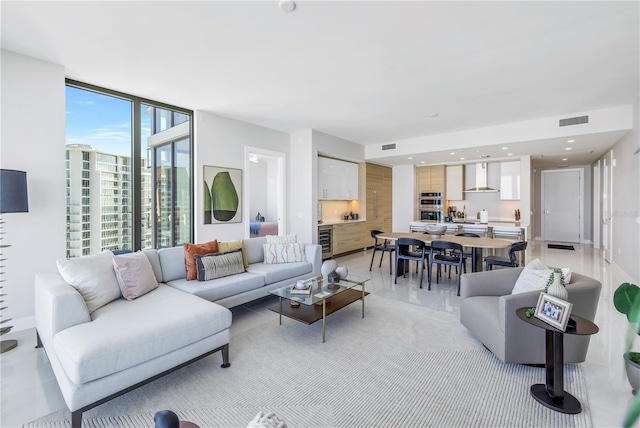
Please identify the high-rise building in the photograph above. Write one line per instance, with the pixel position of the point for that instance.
(99, 201)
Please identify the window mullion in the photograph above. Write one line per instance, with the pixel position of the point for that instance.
(136, 182)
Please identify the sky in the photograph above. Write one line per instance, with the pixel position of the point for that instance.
(102, 121)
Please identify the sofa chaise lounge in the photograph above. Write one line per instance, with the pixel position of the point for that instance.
(124, 344)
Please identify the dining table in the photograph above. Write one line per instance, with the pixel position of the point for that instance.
(477, 245)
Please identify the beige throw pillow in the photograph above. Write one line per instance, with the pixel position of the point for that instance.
(225, 247)
(534, 277)
(93, 277)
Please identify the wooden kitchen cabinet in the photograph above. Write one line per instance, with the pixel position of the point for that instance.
(379, 197)
(355, 236)
(431, 179)
(349, 237)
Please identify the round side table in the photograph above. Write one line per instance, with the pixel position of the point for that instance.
(552, 394)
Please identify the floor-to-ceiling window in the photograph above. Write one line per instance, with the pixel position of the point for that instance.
(128, 172)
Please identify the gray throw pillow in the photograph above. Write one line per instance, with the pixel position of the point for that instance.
(217, 265)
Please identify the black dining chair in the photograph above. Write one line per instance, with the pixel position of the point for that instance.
(466, 256)
(384, 248)
(511, 261)
(404, 253)
(447, 254)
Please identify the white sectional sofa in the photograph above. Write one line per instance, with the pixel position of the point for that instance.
(125, 344)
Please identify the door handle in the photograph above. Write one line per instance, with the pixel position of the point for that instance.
(375, 204)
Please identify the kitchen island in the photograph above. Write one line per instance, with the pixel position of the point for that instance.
(511, 230)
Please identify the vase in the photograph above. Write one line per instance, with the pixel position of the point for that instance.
(328, 267)
(333, 277)
(556, 289)
(342, 271)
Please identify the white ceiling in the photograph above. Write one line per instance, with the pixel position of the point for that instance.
(368, 72)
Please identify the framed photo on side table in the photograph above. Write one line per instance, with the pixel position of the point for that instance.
(553, 311)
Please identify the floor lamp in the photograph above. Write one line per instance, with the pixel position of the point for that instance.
(13, 199)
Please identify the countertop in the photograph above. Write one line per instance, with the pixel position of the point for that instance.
(334, 222)
(492, 223)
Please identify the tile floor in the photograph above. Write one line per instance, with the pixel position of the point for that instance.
(29, 389)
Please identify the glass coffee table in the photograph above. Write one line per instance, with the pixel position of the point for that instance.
(324, 299)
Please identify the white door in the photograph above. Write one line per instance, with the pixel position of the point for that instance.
(606, 211)
(561, 205)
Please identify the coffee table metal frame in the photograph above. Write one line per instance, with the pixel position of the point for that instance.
(324, 300)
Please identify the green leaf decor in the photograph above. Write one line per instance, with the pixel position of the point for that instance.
(224, 197)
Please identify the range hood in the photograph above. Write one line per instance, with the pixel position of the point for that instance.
(481, 180)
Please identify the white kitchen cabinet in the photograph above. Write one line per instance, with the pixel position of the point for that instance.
(337, 180)
(510, 181)
(455, 182)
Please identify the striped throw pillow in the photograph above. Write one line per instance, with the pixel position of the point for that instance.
(217, 265)
(283, 253)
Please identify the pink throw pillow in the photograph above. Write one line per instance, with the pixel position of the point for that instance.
(135, 275)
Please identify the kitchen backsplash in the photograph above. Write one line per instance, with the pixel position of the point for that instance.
(334, 210)
(498, 209)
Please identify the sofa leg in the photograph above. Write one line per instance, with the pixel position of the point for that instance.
(76, 419)
(225, 357)
(38, 341)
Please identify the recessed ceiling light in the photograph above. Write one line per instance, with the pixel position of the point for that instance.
(409, 158)
(432, 115)
(461, 158)
(564, 159)
(505, 148)
(452, 153)
(571, 141)
(287, 5)
(421, 161)
(568, 148)
(509, 154)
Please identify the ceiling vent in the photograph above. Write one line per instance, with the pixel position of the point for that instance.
(574, 121)
(389, 146)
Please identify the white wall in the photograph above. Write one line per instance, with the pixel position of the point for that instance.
(303, 218)
(625, 251)
(403, 197)
(32, 140)
(258, 186)
(337, 147)
(262, 181)
(220, 141)
(272, 198)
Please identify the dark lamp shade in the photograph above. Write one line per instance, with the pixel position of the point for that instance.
(13, 191)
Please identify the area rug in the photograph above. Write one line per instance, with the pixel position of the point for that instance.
(561, 247)
(400, 366)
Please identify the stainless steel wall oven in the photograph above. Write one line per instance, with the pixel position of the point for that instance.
(430, 206)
